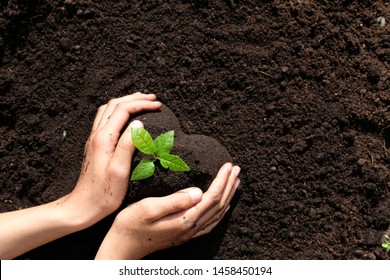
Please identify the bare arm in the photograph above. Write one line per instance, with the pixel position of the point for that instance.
(99, 191)
(23, 230)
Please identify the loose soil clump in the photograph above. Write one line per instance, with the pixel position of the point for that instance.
(203, 154)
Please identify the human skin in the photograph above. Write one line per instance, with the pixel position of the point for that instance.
(170, 220)
(100, 191)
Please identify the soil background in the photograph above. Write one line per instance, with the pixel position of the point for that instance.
(297, 91)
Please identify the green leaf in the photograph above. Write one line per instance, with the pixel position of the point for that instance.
(173, 162)
(143, 170)
(142, 140)
(386, 245)
(164, 143)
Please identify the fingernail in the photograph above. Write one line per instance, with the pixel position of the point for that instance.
(236, 170)
(195, 194)
(228, 166)
(136, 123)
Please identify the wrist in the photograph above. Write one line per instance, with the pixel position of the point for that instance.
(120, 244)
(77, 214)
(85, 209)
(74, 217)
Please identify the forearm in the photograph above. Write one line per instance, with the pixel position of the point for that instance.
(26, 229)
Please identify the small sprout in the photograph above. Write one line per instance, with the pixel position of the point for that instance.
(159, 148)
(386, 245)
(386, 241)
(64, 133)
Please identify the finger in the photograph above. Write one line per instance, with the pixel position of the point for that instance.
(214, 194)
(107, 137)
(175, 203)
(214, 213)
(218, 185)
(125, 149)
(195, 214)
(112, 104)
(216, 200)
(121, 115)
(227, 195)
(98, 117)
(208, 228)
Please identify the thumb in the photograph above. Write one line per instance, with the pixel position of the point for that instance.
(177, 202)
(125, 148)
(127, 134)
(125, 142)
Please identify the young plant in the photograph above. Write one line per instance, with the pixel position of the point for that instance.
(386, 245)
(386, 242)
(159, 149)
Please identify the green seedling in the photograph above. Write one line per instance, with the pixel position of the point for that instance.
(386, 245)
(159, 149)
(386, 242)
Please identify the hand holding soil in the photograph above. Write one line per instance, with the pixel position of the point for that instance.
(203, 154)
(105, 172)
(100, 190)
(171, 220)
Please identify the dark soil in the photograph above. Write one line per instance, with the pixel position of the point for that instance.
(297, 91)
(202, 153)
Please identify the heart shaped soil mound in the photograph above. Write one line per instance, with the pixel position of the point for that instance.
(203, 154)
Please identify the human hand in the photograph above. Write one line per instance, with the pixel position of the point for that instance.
(105, 171)
(99, 191)
(154, 223)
